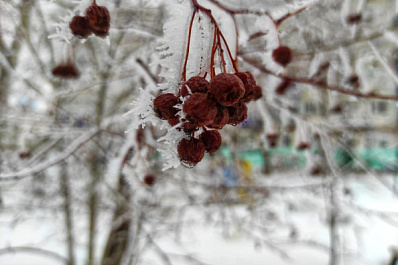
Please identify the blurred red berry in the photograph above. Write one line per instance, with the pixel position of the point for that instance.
(237, 114)
(80, 27)
(303, 146)
(354, 19)
(99, 19)
(191, 151)
(282, 55)
(196, 84)
(211, 141)
(272, 139)
(164, 106)
(250, 85)
(68, 70)
(227, 89)
(149, 180)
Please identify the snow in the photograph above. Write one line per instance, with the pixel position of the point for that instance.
(367, 243)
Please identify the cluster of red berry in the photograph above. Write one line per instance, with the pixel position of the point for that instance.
(97, 21)
(208, 105)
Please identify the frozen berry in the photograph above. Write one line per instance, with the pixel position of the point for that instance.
(237, 114)
(337, 109)
(221, 119)
(211, 140)
(149, 180)
(282, 55)
(200, 109)
(191, 151)
(173, 121)
(354, 19)
(164, 106)
(317, 170)
(196, 84)
(303, 146)
(80, 27)
(24, 155)
(227, 89)
(283, 87)
(99, 19)
(258, 93)
(249, 83)
(272, 139)
(68, 70)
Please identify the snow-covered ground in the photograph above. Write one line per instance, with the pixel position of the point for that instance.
(366, 243)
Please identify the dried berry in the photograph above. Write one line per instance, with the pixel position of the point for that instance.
(353, 81)
(196, 84)
(237, 114)
(354, 19)
(227, 89)
(249, 83)
(164, 106)
(173, 121)
(283, 87)
(272, 139)
(24, 155)
(282, 55)
(317, 170)
(80, 27)
(191, 151)
(211, 140)
(68, 70)
(200, 109)
(99, 19)
(258, 93)
(149, 180)
(221, 119)
(303, 146)
(337, 109)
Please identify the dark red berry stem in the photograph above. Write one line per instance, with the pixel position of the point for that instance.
(213, 52)
(184, 70)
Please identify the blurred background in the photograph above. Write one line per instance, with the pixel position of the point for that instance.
(311, 177)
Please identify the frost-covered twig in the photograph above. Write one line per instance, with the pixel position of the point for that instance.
(34, 250)
(317, 84)
(43, 166)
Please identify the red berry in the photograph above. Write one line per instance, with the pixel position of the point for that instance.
(164, 106)
(249, 83)
(303, 146)
(282, 55)
(237, 114)
(354, 19)
(221, 119)
(67, 70)
(227, 89)
(258, 93)
(196, 84)
(191, 151)
(173, 121)
(99, 20)
(317, 170)
(80, 27)
(211, 141)
(273, 139)
(283, 87)
(200, 109)
(149, 180)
